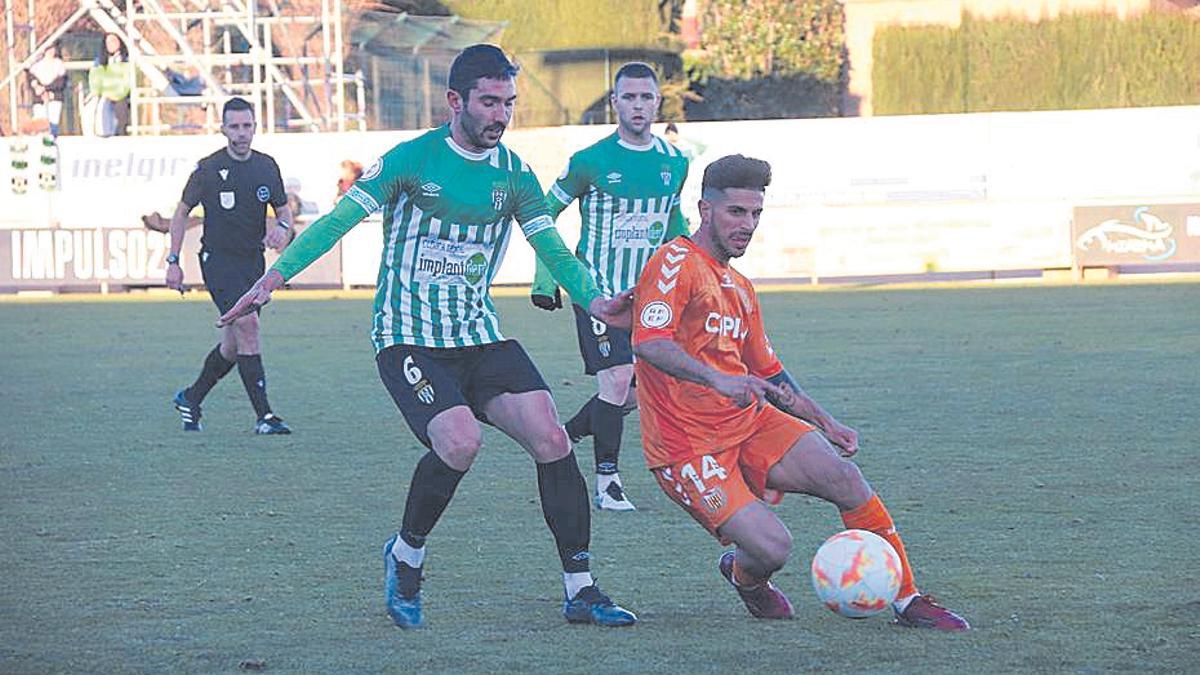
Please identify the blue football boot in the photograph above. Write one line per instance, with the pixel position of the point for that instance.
(591, 605)
(405, 611)
(189, 413)
(271, 424)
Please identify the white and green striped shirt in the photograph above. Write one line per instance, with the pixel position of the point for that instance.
(447, 217)
(628, 203)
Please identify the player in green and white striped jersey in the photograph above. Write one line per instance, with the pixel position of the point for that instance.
(628, 186)
(448, 199)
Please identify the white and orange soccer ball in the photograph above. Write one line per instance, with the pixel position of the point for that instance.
(856, 573)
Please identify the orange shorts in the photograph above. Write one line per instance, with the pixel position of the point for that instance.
(714, 487)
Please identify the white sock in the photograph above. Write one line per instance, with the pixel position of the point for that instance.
(402, 552)
(901, 604)
(603, 479)
(574, 581)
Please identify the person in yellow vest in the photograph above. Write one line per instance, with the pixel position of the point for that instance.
(110, 80)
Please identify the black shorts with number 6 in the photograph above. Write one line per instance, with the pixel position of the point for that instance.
(601, 345)
(424, 381)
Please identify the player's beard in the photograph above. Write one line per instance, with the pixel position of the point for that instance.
(474, 129)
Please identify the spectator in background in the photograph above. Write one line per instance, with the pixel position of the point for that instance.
(351, 170)
(110, 81)
(49, 78)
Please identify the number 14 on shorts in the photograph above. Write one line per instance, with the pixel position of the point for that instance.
(710, 468)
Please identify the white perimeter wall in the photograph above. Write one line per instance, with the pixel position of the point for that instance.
(854, 196)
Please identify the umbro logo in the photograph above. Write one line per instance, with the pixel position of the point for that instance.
(224, 173)
(431, 189)
(613, 177)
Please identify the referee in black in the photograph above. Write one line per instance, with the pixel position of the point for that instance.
(234, 185)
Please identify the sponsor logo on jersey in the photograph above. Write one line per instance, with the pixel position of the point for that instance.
(227, 200)
(263, 193)
(656, 314)
(224, 173)
(725, 325)
(472, 269)
(373, 171)
(656, 231)
(431, 189)
(613, 178)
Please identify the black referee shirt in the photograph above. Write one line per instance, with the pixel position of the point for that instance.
(235, 195)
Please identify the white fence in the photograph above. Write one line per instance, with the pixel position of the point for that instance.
(854, 196)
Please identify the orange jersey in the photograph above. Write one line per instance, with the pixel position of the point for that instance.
(712, 312)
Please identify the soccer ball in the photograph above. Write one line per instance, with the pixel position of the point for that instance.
(856, 573)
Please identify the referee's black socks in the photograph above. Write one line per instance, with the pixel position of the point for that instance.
(250, 367)
(215, 367)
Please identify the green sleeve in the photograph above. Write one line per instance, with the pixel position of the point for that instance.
(316, 240)
(543, 280)
(564, 267)
(677, 225)
(570, 185)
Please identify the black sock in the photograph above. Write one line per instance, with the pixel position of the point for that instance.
(580, 426)
(608, 421)
(433, 484)
(250, 367)
(565, 506)
(215, 367)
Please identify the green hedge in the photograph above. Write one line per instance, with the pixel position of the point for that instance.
(1072, 62)
(536, 25)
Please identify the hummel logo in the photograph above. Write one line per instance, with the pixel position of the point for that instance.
(666, 288)
(669, 272)
(678, 249)
(726, 281)
(224, 173)
(614, 177)
(431, 189)
(673, 259)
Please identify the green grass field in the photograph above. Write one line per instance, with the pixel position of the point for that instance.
(1038, 447)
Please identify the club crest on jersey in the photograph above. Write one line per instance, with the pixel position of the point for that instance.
(227, 200)
(714, 499)
(373, 171)
(604, 346)
(499, 196)
(666, 176)
(263, 193)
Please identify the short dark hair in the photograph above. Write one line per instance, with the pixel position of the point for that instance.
(476, 61)
(235, 103)
(635, 69)
(735, 171)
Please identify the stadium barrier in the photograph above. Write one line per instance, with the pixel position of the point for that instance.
(990, 192)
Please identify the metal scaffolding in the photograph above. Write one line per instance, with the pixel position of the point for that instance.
(289, 66)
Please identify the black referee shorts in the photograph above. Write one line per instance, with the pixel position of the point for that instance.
(424, 381)
(228, 276)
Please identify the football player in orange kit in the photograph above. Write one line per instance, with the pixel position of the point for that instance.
(705, 368)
